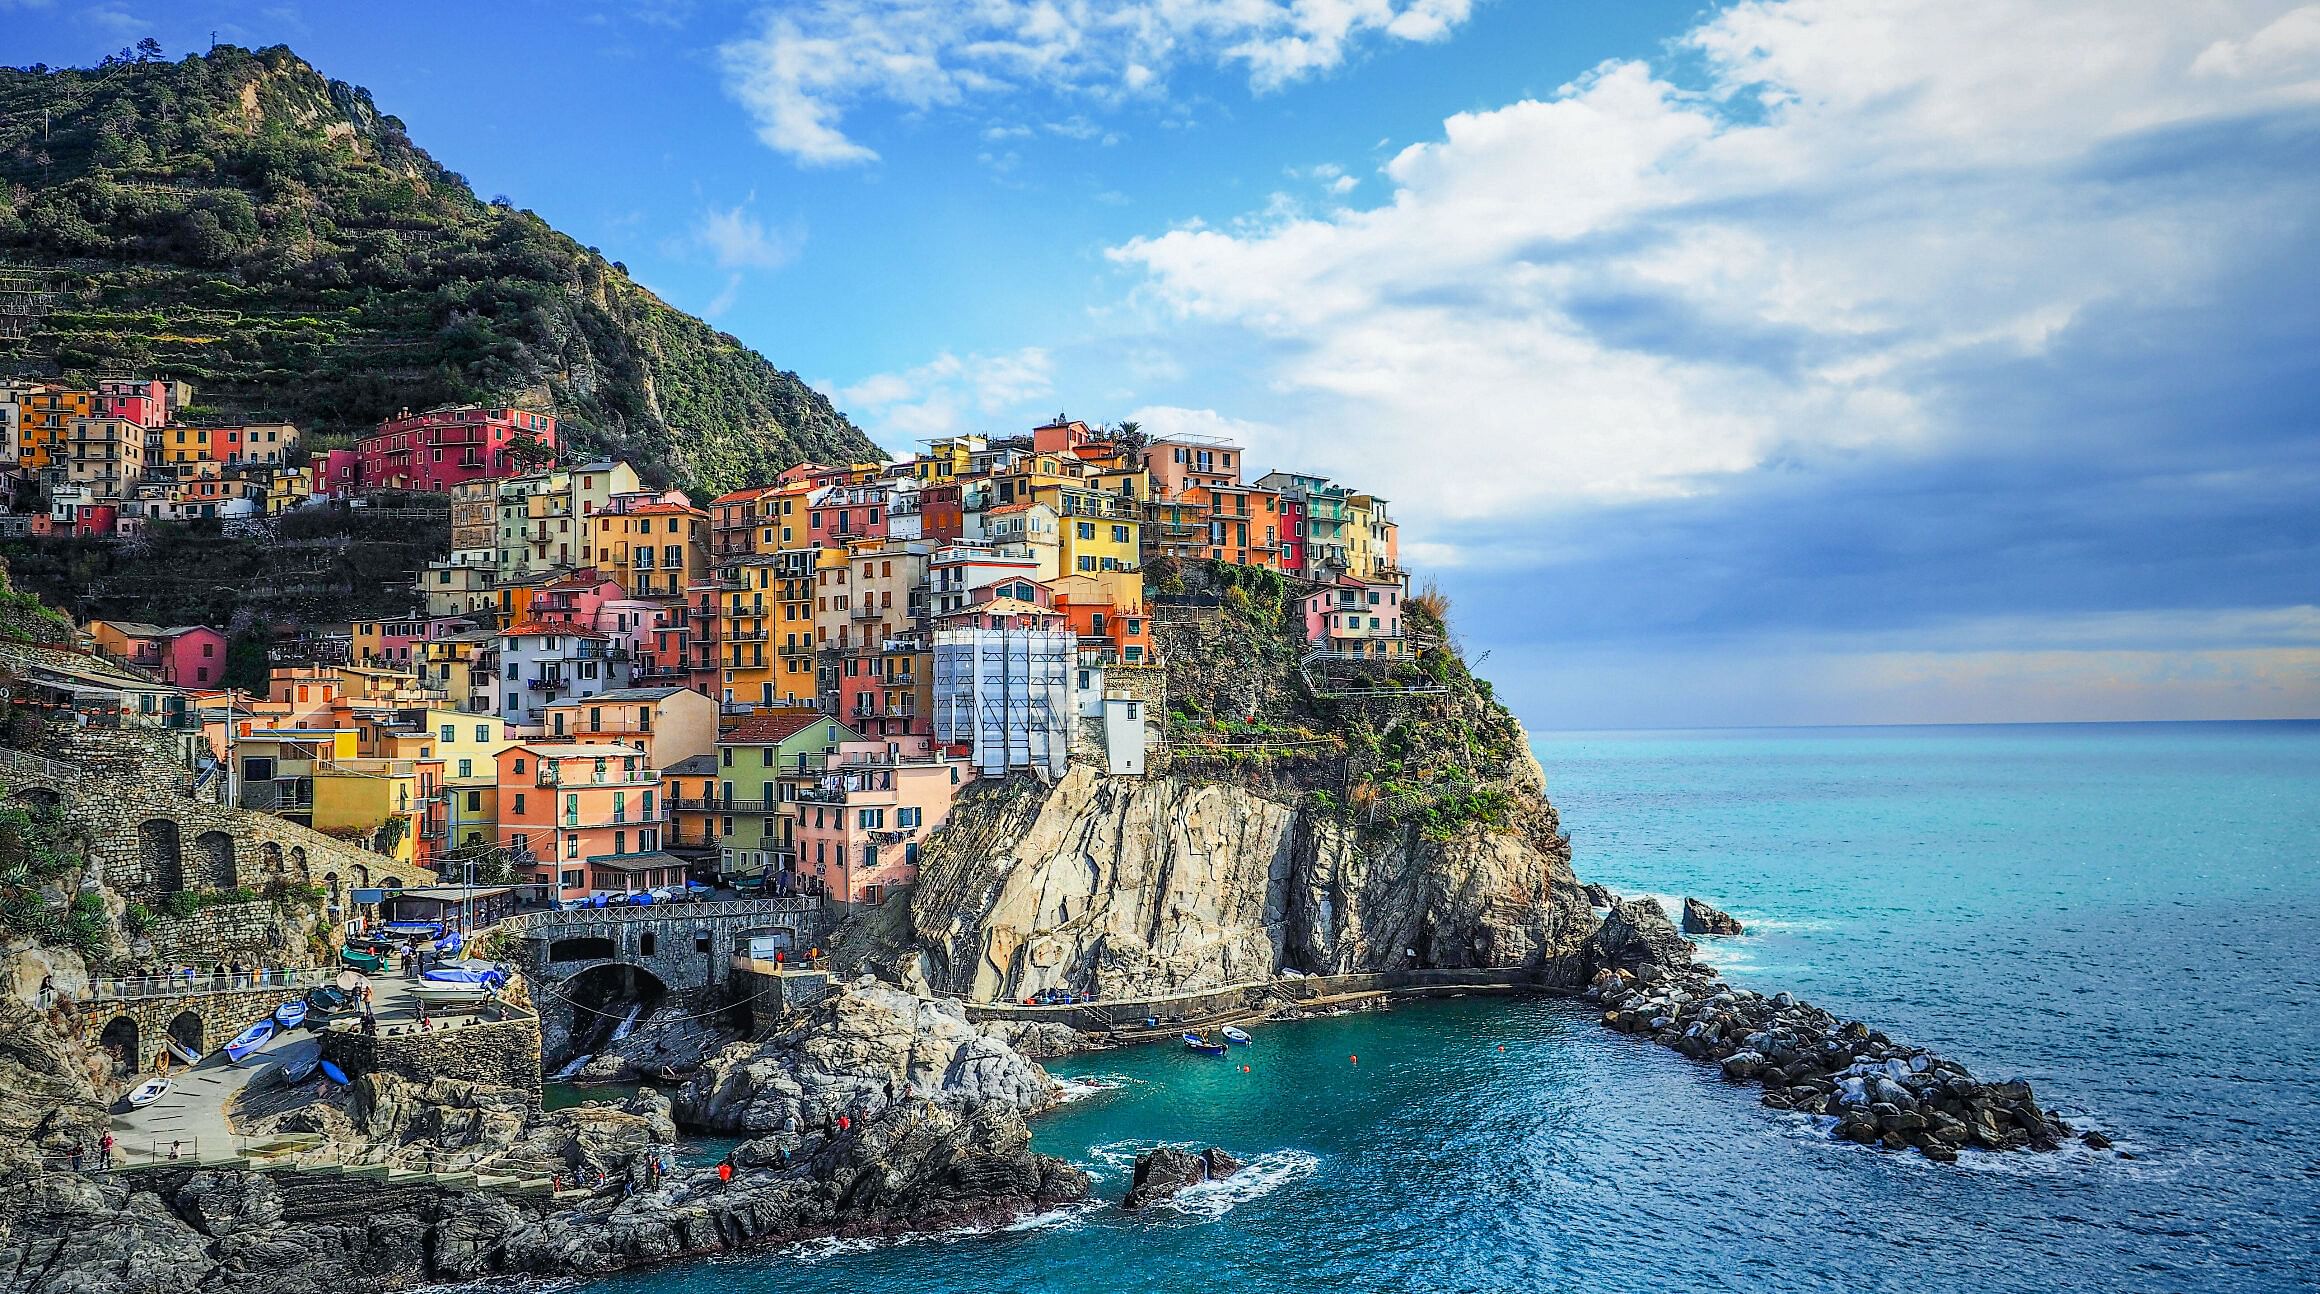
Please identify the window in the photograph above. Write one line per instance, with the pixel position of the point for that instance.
(907, 817)
(1119, 534)
(519, 803)
(575, 879)
(1087, 530)
(467, 768)
(519, 766)
(483, 732)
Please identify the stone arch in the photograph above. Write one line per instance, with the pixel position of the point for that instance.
(38, 797)
(581, 948)
(270, 860)
(119, 1037)
(390, 882)
(189, 1031)
(158, 850)
(361, 876)
(298, 862)
(213, 857)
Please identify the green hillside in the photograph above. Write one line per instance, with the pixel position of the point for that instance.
(237, 220)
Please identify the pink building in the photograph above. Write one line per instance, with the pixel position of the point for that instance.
(846, 512)
(1180, 463)
(1356, 618)
(862, 812)
(441, 448)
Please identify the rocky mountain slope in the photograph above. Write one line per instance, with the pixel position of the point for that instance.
(1293, 829)
(239, 220)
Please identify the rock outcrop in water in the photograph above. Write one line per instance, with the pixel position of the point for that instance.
(1701, 919)
(1139, 886)
(1879, 1091)
(856, 1052)
(1165, 1171)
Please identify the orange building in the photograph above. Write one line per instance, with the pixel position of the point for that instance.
(584, 820)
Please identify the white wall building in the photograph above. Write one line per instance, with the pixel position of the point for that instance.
(1007, 695)
(540, 664)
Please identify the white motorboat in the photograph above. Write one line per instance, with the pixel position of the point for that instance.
(1234, 1035)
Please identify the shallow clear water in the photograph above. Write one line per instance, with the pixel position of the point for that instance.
(2126, 915)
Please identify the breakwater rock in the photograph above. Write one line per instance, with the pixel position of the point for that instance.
(1880, 1092)
(1167, 1170)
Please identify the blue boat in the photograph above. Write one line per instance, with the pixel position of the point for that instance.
(298, 1071)
(290, 1015)
(492, 977)
(333, 1073)
(1195, 1042)
(450, 943)
(249, 1040)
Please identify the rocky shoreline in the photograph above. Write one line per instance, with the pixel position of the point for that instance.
(1879, 1091)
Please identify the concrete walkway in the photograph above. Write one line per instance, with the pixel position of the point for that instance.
(192, 1116)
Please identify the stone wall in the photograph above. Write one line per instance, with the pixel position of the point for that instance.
(503, 1053)
(222, 1014)
(686, 947)
(771, 996)
(248, 932)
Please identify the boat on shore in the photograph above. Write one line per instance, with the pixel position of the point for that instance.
(249, 1040)
(299, 1070)
(323, 1001)
(181, 1051)
(147, 1092)
(290, 1014)
(333, 1073)
(362, 959)
(1232, 1034)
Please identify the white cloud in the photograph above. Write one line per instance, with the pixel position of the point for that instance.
(740, 241)
(947, 395)
(806, 64)
(1636, 289)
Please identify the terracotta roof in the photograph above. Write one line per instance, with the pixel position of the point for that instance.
(769, 729)
(544, 628)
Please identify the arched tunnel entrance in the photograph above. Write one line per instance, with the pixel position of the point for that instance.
(119, 1040)
(594, 1005)
(186, 1031)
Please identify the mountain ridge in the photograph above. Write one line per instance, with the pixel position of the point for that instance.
(239, 220)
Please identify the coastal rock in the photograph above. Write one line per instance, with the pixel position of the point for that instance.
(1131, 887)
(1881, 1092)
(925, 1167)
(1599, 896)
(856, 1052)
(1164, 1171)
(1700, 919)
(1637, 937)
(48, 1099)
(1038, 1039)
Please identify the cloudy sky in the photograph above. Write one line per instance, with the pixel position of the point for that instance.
(1784, 362)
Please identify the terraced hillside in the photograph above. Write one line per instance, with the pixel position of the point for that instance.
(238, 220)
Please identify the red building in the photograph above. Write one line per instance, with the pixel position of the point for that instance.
(1293, 532)
(441, 448)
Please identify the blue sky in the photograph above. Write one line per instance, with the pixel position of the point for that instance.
(1799, 361)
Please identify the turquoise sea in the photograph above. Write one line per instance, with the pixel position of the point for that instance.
(2125, 915)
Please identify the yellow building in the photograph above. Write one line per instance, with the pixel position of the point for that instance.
(1372, 542)
(374, 802)
(745, 612)
(656, 548)
(106, 454)
(287, 488)
(947, 458)
(47, 414)
(1100, 534)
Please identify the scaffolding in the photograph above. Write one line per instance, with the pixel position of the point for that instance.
(1007, 695)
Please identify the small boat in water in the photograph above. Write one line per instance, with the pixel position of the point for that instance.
(1234, 1035)
(1200, 1043)
(298, 1071)
(147, 1092)
(249, 1040)
(290, 1015)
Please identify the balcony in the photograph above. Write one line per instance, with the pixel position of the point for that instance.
(865, 613)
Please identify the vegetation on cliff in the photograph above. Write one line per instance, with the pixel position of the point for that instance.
(1427, 744)
(239, 221)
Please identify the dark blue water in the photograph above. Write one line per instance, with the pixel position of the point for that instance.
(2124, 915)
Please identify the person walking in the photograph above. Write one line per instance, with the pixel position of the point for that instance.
(105, 1151)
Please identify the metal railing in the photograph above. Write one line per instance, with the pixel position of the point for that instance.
(193, 983)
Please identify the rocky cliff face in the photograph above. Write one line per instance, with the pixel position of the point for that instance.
(859, 1052)
(1134, 886)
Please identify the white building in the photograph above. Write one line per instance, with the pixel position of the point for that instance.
(542, 663)
(1007, 695)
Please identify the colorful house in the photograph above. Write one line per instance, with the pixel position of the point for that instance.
(860, 815)
(1356, 617)
(442, 448)
(670, 723)
(583, 820)
(752, 838)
